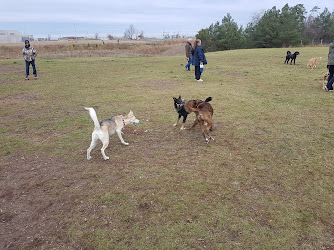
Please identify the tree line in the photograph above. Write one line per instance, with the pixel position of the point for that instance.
(273, 28)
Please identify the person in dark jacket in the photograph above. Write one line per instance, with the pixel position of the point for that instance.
(330, 66)
(198, 59)
(189, 54)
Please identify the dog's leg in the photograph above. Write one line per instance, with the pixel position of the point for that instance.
(194, 124)
(105, 141)
(93, 144)
(183, 122)
(202, 126)
(209, 128)
(119, 133)
(177, 121)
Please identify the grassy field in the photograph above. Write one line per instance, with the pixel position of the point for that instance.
(266, 182)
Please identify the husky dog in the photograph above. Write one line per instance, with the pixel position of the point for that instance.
(108, 127)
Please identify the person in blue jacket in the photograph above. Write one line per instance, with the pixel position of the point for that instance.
(198, 59)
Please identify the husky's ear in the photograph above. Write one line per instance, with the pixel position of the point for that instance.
(179, 97)
(130, 113)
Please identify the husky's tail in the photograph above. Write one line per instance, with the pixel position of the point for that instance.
(93, 115)
(208, 99)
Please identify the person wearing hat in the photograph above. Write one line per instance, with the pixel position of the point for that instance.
(29, 55)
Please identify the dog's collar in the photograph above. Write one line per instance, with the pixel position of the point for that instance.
(123, 120)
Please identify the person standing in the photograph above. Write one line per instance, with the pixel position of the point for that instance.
(29, 55)
(189, 54)
(330, 66)
(198, 59)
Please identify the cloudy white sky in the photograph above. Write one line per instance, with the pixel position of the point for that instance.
(87, 17)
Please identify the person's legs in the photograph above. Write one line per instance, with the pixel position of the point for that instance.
(34, 68)
(27, 69)
(189, 63)
(330, 78)
(197, 73)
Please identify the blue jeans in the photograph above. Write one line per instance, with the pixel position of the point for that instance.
(330, 77)
(33, 67)
(189, 63)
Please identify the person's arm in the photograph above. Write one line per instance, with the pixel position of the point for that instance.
(34, 52)
(200, 55)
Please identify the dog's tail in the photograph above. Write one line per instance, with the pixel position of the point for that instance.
(93, 115)
(208, 99)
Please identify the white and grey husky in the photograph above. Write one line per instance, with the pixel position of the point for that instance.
(108, 127)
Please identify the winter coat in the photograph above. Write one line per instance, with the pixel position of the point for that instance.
(331, 54)
(199, 56)
(188, 50)
(29, 54)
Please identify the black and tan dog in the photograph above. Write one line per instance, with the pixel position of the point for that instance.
(184, 108)
(203, 111)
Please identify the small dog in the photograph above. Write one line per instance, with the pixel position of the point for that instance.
(291, 56)
(312, 62)
(108, 127)
(325, 81)
(183, 108)
(204, 113)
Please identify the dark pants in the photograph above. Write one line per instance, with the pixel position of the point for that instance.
(197, 73)
(33, 67)
(330, 77)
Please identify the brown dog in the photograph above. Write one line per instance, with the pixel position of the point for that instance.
(325, 81)
(312, 62)
(204, 113)
(184, 108)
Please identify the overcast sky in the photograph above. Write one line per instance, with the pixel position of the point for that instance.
(87, 17)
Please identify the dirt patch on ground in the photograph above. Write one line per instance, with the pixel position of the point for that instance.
(28, 211)
(20, 98)
(7, 68)
(39, 195)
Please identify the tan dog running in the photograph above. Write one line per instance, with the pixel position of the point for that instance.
(312, 63)
(108, 127)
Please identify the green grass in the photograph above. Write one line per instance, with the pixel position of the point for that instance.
(266, 182)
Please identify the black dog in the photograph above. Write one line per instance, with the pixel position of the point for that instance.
(183, 108)
(291, 56)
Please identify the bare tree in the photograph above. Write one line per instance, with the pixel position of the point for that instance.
(141, 35)
(130, 32)
(96, 36)
(110, 37)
